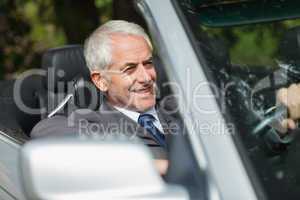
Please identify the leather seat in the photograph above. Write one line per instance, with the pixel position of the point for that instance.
(65, 75)
(61, 68)
(68, 81)
(20, 106)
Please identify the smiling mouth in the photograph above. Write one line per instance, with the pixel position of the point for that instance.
(144, 90)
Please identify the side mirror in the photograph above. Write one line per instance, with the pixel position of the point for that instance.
(92, 169)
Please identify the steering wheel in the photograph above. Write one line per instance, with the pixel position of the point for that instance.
(262, 115)
(271, 118)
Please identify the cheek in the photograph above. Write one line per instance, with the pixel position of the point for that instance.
(121, 84)
(152, 74)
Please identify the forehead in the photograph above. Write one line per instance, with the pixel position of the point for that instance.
(129, 48)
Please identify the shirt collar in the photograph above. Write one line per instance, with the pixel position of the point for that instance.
(135, 115)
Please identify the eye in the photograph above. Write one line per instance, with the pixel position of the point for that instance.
(129, 69)
(148, 63)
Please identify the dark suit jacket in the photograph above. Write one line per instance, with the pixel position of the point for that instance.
(106, 122)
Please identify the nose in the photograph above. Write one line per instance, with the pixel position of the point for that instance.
(143, 74)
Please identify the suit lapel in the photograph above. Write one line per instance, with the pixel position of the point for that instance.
(132, 128)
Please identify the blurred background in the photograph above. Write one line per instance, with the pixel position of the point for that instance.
(29, 27)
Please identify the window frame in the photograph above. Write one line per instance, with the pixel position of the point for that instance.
(167, 27)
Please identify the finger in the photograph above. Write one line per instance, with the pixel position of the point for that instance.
(288, 124)
(293, 101)
(290, 97)
(161, 166)
(291, 124)
(282, 96)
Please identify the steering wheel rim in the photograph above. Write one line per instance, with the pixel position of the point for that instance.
(261, 117)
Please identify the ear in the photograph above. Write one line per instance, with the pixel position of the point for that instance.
(99, 80)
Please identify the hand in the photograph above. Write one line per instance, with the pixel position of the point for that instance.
(161, 166)
(288, 123)
(290, 97)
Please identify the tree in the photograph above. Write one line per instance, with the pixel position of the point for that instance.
(77, 18)
(124, 9)
(15, 46)
(29, 28)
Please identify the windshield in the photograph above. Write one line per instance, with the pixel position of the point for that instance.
(249, 64)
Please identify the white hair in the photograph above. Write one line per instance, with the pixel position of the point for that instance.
(97, 47)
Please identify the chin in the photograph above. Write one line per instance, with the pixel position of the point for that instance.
(144, 105)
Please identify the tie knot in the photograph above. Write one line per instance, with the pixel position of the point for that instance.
(145, 119)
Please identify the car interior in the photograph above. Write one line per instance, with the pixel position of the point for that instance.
(249, 84)
(248, 105)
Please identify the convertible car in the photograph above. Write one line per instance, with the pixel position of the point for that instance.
(222, 61)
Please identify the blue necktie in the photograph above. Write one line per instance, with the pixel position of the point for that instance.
(146, 121)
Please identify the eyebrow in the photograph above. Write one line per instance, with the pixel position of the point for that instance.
(149, 59)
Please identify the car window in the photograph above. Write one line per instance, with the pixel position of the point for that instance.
(246, 66)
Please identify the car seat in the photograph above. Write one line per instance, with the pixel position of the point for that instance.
(20, 106)
(68, 81)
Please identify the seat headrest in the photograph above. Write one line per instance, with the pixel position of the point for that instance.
(66, 67)
(64, 64)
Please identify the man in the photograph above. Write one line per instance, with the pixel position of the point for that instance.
(119, 57)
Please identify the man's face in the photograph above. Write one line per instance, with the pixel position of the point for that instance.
(131, 76)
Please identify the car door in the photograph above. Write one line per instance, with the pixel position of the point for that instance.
(10, 186)
(12, 138)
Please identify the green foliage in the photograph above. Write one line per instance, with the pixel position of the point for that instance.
(253, 45)
(28, 28)
(258, 46)
(44, 32)
(105, 7)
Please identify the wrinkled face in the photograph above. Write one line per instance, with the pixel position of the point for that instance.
(129, 81)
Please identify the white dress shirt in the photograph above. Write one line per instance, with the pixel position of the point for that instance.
(135, 116)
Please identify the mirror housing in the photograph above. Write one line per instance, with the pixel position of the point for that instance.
(91, 169)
